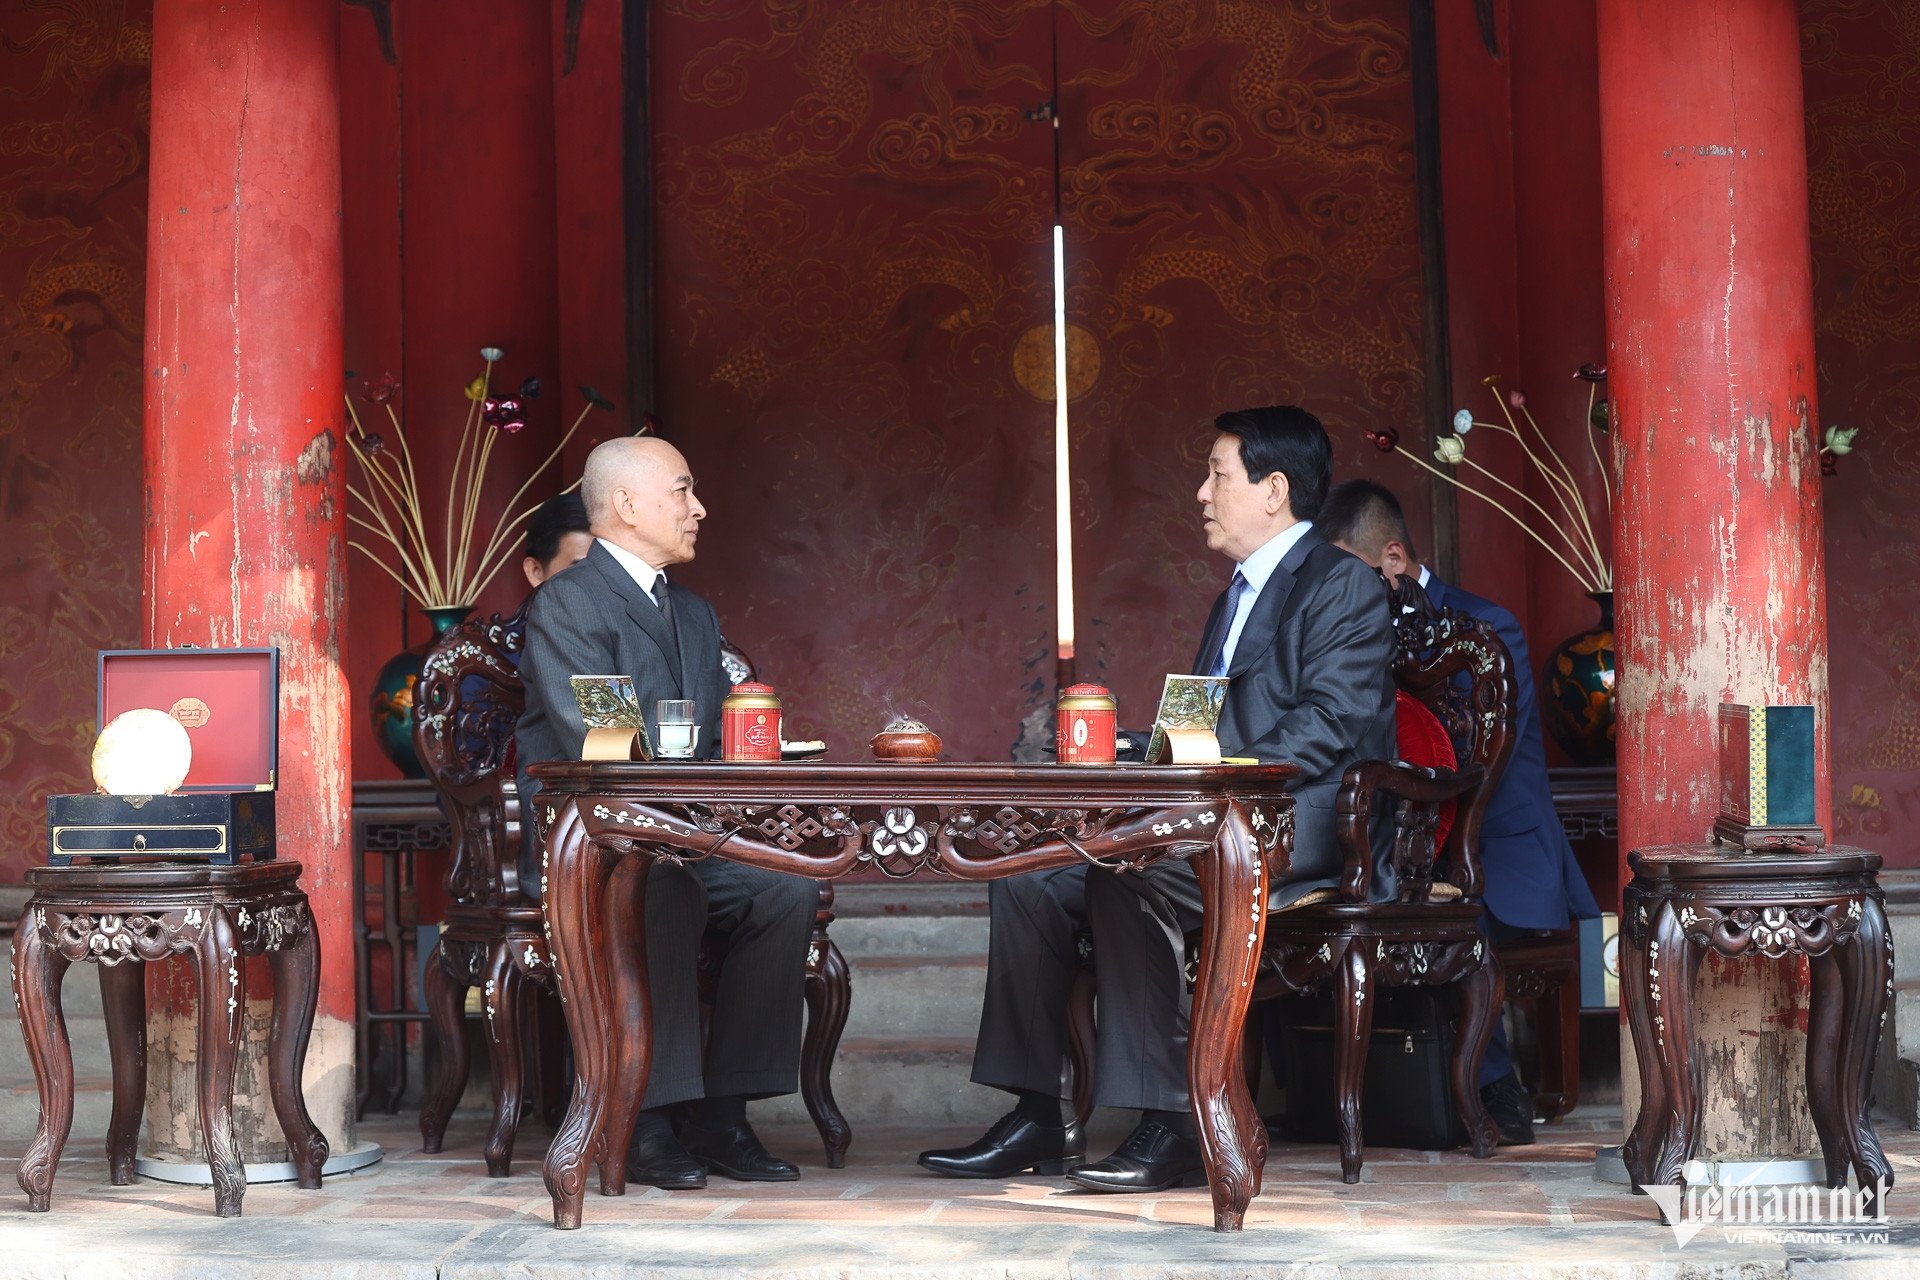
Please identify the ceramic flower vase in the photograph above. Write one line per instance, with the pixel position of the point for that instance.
(392, 700)
(1577, 690)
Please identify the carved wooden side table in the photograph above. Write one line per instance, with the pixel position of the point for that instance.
(121, 917)
(1826, 905)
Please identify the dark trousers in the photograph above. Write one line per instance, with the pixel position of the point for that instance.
(1497, 1062)
(753, 1039)
(1139, 921)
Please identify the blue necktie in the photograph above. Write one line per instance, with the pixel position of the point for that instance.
(1218, 665)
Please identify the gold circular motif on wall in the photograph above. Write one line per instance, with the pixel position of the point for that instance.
(1033, 362)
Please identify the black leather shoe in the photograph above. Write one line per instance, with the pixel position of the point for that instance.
(1511, 1107)
(657, 1159)
(735, 1152)
(1152, 1158)
(1013, 1145)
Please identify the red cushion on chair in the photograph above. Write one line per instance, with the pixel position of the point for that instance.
(1423, 741)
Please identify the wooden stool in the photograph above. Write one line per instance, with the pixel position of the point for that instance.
(1825, 905)
(120, 917)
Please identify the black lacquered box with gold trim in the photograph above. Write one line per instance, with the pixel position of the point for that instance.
(228, 700)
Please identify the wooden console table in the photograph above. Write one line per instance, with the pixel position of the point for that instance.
(120, 917)
(1826, 905)
(396, 820)
(606, 823)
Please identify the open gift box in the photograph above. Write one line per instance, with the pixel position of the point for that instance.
(229, 702)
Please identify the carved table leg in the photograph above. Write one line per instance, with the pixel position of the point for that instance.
(1482, 993)
(1826, 1009)
(446, 1005)
(123, 998)
(504, 1000)
(296, 993)
(576, 877)
(37, 973)
(1866, 969)
(829, 994)
(1233, 1140)
(1646, 1054)
(1353, 1032)
(630, 1057)
(222, 981)
(1661, 1014)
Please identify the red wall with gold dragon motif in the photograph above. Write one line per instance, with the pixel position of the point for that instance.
(847, 192)
(1863, 171)
(854, 205)
(73, 229)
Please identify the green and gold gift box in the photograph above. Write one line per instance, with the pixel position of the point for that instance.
(1766, 777)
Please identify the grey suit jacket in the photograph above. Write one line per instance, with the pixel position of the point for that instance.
(1311, 684)
(593, 619)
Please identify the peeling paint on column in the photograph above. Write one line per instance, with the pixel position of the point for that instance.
(171, 1125)
(1719, 554)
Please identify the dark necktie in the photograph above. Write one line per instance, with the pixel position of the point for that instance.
(666, 610)
(1216, 664)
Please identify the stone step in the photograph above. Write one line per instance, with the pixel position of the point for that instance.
(915, 996)
(87, 1036)
(79, 991)
(20, 1111)
(900, 1080)
(860, 936)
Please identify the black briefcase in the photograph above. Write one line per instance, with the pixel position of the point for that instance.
(1406, 1099)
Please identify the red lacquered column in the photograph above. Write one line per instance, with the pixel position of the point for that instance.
(244, 462)
(1718, 544)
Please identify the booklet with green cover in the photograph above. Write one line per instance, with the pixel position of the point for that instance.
(611, 702)
(1187, 702)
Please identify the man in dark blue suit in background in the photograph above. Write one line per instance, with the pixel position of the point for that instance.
(1533, 884)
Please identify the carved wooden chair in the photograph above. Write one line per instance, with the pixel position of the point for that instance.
(468, 700)
(1428, 934)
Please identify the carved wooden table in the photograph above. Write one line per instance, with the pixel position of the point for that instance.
(122, 917)
(1826, 905)
(606, 823)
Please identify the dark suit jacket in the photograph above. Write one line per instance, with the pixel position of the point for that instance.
(592, 618)
(1532, 880)
(1310, 684)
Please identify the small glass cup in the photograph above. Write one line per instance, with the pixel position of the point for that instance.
(678, 728)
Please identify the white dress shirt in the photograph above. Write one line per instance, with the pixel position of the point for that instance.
(1256, 569)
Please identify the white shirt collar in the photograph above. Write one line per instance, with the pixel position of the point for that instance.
(639, 570)
(1424, 576)
(1259, 566)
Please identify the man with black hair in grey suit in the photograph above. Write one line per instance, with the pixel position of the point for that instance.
(1305, 637)
(615, 612)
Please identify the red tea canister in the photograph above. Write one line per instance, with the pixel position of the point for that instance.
(750, 723)
(1085, 719)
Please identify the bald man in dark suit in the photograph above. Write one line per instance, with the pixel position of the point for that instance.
(615, 612)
